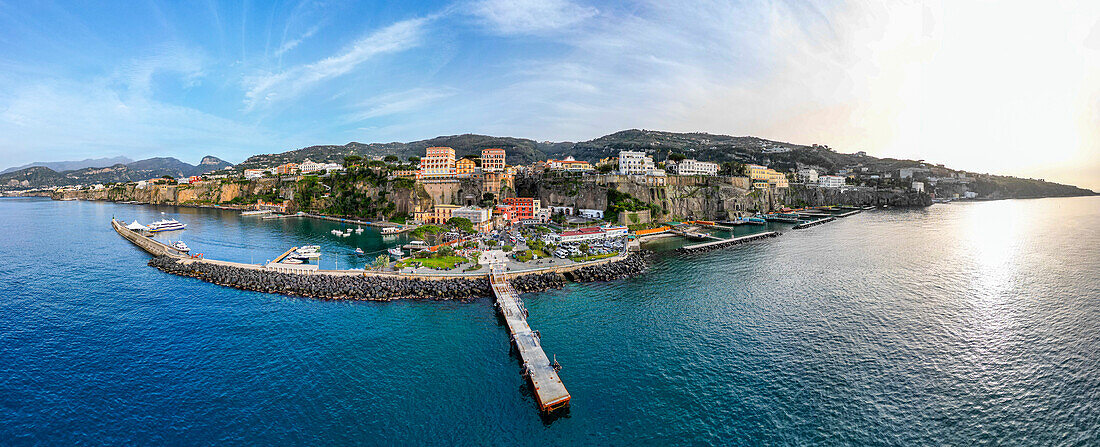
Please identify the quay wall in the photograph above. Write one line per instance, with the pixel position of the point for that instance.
(726, 243)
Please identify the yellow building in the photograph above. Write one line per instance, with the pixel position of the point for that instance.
(762, 177)
(464, 167)
(438, 215)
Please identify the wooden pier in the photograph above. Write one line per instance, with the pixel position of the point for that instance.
(549, 390)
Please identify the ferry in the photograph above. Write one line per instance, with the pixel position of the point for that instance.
(166, 225)
(181, 247)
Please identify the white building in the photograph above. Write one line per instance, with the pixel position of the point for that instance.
(807, 175)
(251, 174)
(590, 213)
(830, 181)
(480, 217)
(635, 163)
(691, 166)
(918, 186)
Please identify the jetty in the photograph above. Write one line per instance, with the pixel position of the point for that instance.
(812, 223)
(849, 213)
(723, 243)
(549, 390)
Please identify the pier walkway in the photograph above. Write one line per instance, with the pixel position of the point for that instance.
(723, 243)
(812, 223)
(549, 390)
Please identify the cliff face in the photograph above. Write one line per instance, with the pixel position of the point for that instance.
(798, 195)
(212, 192)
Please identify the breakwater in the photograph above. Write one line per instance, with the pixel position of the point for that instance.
(698, 248)
(633, 265)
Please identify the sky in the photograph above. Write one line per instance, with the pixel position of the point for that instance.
(1008, 87)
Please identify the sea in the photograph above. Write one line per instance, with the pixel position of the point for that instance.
(969, 323)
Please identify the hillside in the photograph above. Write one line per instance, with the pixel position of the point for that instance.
(71, 165)
(44, 177)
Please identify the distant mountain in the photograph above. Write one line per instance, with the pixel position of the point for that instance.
(72, 165)
(43, 177)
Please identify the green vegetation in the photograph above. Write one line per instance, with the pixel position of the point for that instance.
(677, 157)
(424, 231)
(523, 256)
(619, 201)
(435, 263)
(462, 223)
(506, 248)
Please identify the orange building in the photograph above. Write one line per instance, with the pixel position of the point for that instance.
(523, 207)
(287, 169)
(438, 162)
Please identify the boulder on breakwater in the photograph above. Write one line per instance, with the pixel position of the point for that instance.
(633, 265)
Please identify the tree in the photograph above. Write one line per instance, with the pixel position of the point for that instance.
(604, 169)
(352, 160)
(390, 159)
(462, 223)
(445, 251)
(677, 157)
(488, 197)
(381, 262)
(414, 159)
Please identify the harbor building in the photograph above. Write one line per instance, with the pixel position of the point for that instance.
(492, 160)
(438, 162)
(480, 217)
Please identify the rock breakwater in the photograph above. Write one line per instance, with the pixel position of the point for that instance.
(633, 265)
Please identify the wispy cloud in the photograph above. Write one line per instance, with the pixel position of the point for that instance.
(399, 102)
(530, 16)
(293, 43)
(292, 82)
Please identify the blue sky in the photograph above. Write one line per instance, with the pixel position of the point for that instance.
(936, 80)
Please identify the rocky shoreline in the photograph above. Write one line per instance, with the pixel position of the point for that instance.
(381, 288)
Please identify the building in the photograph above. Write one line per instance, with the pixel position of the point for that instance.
(523, 208)
(492, 160)
(763, 177)
(438, 215)
(692, 167)
(635, 163)
(252, 174)
(465, 167)
(918, 186)
(830, 181)
(569, 164)
(287, 169)
(807, 176)
(438, 162)
(591, 234)
(310, 166)
(481, 218)
(590, 213)
(193, 179)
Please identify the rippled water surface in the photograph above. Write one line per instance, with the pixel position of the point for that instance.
(967, 323)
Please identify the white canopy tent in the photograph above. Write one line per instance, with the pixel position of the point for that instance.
(137, 226)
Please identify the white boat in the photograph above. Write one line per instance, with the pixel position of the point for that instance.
(305, 256)
(182, 247)
(337, 232)
(166, 225)
(390, 230)
(358, 251)
(358, 230)
(396, 251)
(292, 261)
(310, 248)
(256, 212)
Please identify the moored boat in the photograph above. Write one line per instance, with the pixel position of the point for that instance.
(166, 225)
(181, 247)
(396, 251)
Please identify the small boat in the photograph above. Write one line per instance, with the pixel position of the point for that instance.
(359, 251)
(358, 230)
(390, 230)
(256, 212)
(337, 232)
(181, 247)
(166, 225)
(291, 261)
(305, 255)
(396, 251)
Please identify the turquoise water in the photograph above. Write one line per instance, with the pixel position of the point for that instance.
(955, 324)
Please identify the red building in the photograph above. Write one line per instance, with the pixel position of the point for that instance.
(523, 207)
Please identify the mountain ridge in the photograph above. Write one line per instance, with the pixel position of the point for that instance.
(70, 165)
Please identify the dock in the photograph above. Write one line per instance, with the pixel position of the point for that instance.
(550, 392)
(812, 223)
(723, 243)
(849, 213)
